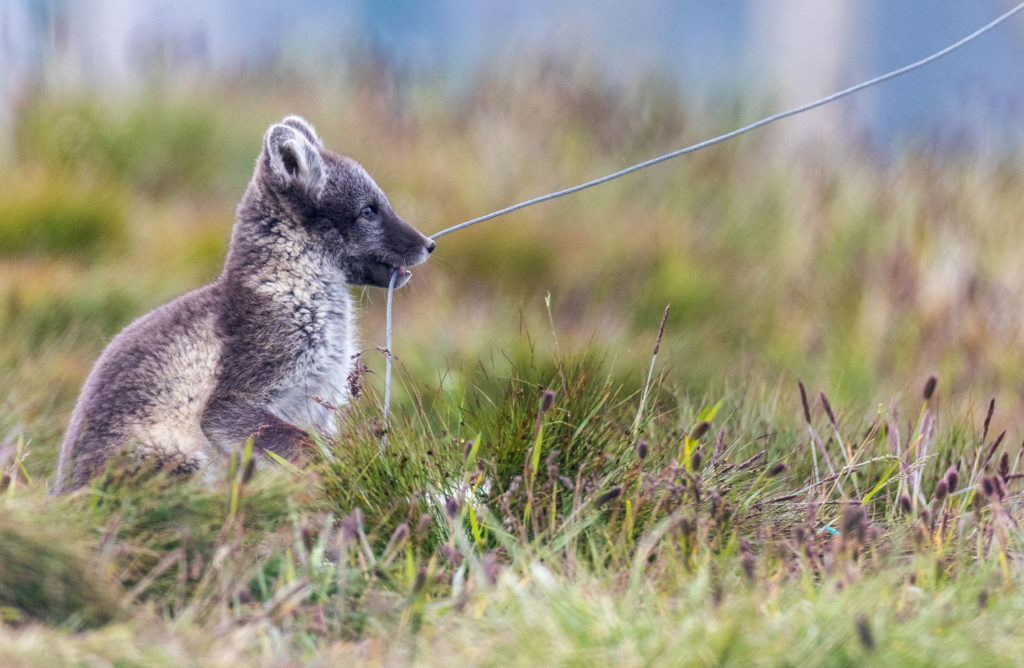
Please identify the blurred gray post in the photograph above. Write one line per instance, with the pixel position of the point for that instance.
(806, 52)
(15, 58)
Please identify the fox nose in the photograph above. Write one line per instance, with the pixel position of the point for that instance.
(431, 246)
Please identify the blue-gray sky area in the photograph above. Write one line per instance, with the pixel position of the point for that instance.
(775, 53)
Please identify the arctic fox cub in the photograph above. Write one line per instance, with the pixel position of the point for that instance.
(249, 354)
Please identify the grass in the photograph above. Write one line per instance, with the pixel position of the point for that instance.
(785, 483)
(555, 536)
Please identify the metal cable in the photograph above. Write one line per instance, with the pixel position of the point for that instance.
(729, 135)
(387, 362)
(675, 154)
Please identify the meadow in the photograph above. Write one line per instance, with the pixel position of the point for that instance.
(819, 466)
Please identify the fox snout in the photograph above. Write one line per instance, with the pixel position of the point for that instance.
(394, 246)
(412, 245)
(409, 247)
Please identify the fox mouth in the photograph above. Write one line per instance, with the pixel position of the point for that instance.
(377, 271)
(383, 270)
(378, 274)
(403, 275)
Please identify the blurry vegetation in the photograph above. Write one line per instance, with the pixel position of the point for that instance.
(490, 528)
(57, 218)
(157, 146)
(47, 572)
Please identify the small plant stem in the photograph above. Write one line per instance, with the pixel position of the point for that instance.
(650, 375)
(814, 454)
(558, 352)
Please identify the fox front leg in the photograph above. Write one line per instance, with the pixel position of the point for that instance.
(229, 424)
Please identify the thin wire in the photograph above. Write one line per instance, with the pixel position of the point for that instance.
(387, 362)
(675, 154)
(729, 135)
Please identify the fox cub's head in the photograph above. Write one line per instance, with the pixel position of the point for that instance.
(337, 205)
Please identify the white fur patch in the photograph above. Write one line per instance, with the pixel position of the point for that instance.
(322, 371)
(186, 379)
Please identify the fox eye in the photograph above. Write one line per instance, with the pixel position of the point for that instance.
(369, 211)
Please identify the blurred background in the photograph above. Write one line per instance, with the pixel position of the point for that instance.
(786, 52)
(859, 247)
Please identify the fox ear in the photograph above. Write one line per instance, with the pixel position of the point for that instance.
(292, 159)
(303, 126)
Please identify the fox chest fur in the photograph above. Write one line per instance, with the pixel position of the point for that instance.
(266, 350)
(311, 324)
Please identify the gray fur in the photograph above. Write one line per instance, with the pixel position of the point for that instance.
(248, 354)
